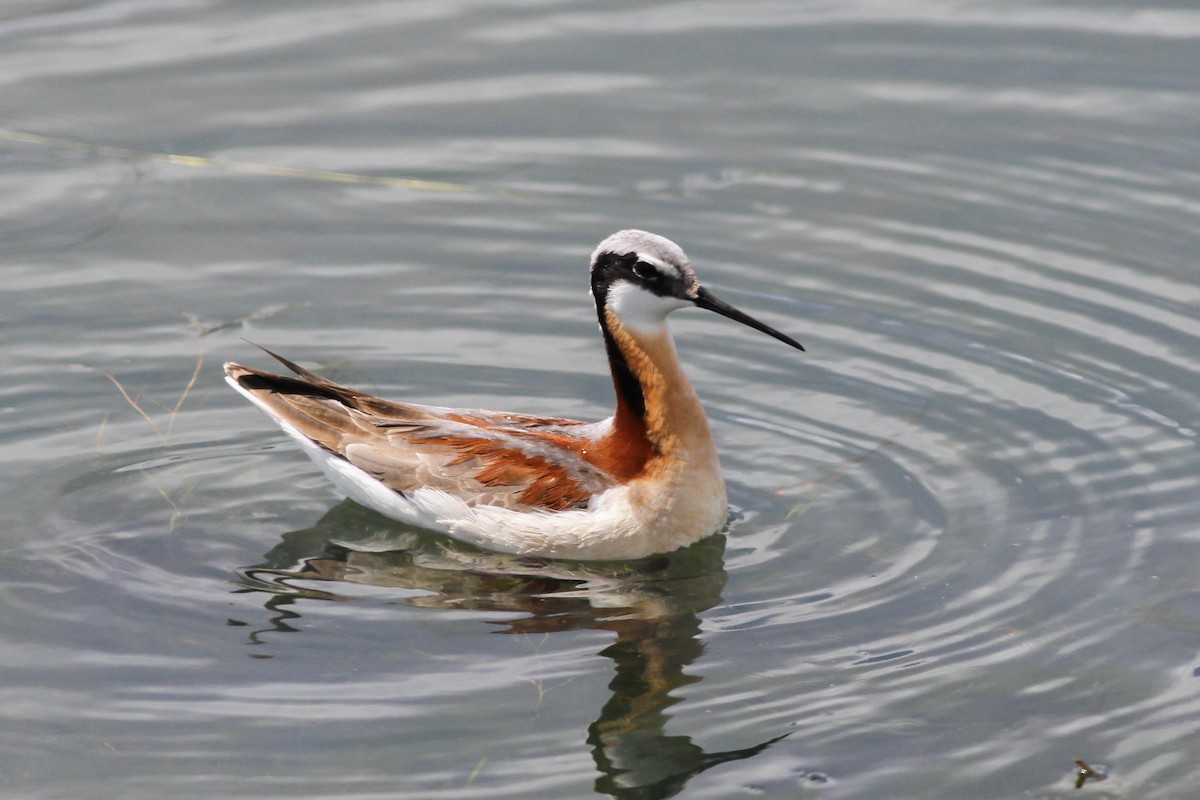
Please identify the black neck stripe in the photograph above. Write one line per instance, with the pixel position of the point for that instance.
(628, 386)
(608, 269)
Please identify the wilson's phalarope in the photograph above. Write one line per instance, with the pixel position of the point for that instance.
(646, 480)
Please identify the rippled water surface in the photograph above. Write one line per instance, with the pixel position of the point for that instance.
(965, 547)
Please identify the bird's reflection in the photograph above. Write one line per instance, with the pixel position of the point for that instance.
(652, 606)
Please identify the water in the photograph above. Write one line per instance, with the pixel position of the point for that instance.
(966, 524)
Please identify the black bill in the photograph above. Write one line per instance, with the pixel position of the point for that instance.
(704, 299)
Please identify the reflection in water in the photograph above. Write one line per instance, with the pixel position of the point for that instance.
(652, 606)
(634, 756)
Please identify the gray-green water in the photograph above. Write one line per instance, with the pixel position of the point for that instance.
(966, 542)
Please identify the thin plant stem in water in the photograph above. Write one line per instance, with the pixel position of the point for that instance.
(806, 503)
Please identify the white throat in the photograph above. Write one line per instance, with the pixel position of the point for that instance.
(639, 309)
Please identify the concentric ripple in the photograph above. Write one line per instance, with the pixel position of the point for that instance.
(965, 528)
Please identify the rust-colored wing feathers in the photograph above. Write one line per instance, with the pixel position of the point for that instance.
(486, 458)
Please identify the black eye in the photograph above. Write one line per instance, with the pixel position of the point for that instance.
(645, 272)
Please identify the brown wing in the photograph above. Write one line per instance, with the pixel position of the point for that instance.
(487, 458)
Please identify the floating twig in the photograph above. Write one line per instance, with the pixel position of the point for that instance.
(182, 160)
(1087, 772)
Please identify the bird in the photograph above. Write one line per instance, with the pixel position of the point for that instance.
(643, 482)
